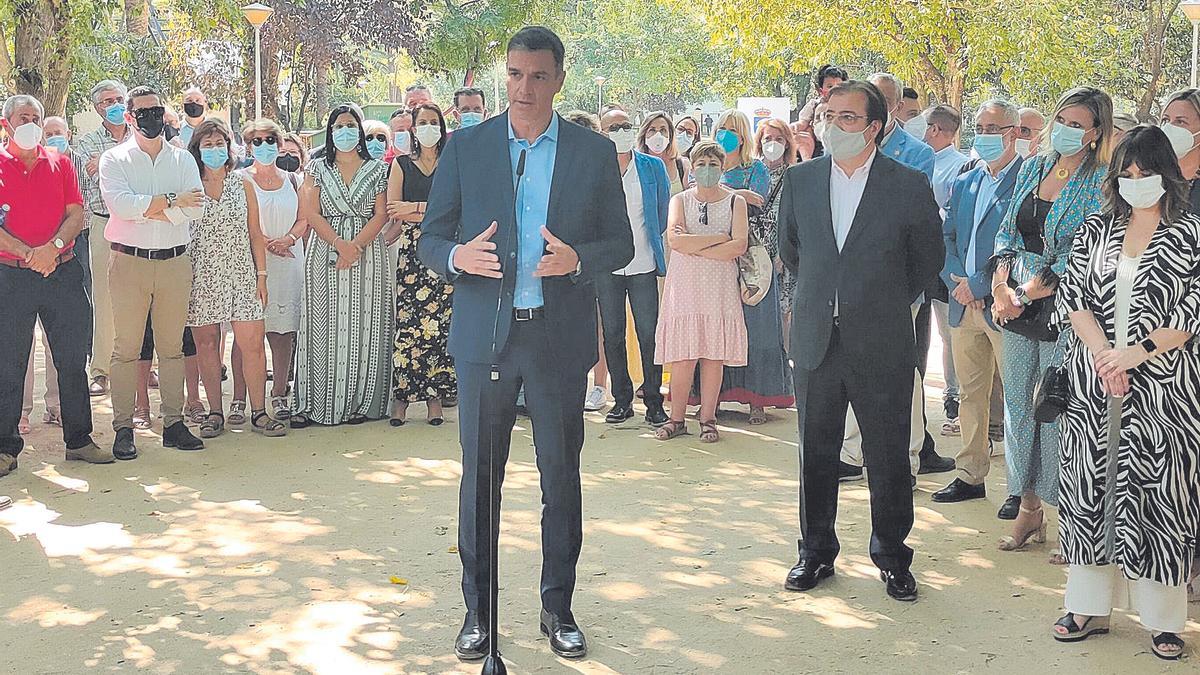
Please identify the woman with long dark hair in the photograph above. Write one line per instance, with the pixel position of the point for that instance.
(344, 351)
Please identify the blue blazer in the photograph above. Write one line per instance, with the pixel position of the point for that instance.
(656, 197)
(960, 221)
(474, 185)
(909, 151)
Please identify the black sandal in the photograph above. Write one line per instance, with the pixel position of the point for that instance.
(262, 423)
(357, 419)
(213, 425)
(708, 432)
(1077, 633)
(299, 421)
(671, 429)
(1167, 640)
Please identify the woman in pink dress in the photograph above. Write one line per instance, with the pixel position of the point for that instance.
(701, 319)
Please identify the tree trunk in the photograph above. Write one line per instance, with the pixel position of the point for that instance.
(6, 62)
(42, 50)
(137, 17)
(321, 93)
(1153, 45)
(304, 96)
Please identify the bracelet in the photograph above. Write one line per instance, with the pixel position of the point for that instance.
(262, 273)
(294, 237)
(999, 284)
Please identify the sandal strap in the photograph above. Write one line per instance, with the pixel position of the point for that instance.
(217, 413)
(1167, 639)
(258, 415)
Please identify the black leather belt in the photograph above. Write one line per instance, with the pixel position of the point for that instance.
(62, 258)
(529, 314)
(150, 253)
(100, 215)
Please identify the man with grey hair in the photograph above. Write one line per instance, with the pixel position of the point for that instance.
(41, 213)
(897, 143)
(978, 203)
(1030, 132)
(417, 94)
(108, 100)
(195, 110)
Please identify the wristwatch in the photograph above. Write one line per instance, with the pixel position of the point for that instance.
(171, 196)
(59, 244)
(1149, 346)
(1023, 297)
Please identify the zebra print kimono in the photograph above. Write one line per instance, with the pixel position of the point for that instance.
(1153, 518)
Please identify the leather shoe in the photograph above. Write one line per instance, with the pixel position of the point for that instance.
(619, 413)
(900, 584)
(178, 436)
(959, 491)
(656, 416)
(932, 462)
(849, 472)
(807, 574)
(1010, 508)
(123, 447)
(566, 640)
(472, 641)
(91, 453)
(8, 464)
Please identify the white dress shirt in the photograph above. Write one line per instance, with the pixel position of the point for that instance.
(845, 194)
(129, 180)
(643, 255)
(947, 162)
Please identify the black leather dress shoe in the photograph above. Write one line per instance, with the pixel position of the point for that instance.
(472, 641)
(123, 447)
(959, 491)
(619, 413)
(1010, 508)
(807, 574)
(178, 436)
(849, 472)
(566, 639)
(900, 584)
(932, 462)
(656, 416)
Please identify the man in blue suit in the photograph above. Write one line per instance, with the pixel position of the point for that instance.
(978, 202)
(525, 213)
(897, 143)
(647, 196)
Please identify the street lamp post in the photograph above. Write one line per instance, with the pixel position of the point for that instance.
(600, 80)
(1191, 9)
(257, 14)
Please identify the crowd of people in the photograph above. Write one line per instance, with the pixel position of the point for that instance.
(782, 265)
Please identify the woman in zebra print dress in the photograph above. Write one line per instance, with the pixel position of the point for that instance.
(344, 350)
(1129, 508)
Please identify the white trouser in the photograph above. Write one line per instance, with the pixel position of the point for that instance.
(1096, 590)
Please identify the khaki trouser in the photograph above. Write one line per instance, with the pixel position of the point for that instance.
(102, 311)
(978, 350)
(162, 289)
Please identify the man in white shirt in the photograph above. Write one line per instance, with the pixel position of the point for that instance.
(647, 196)
(153, 193)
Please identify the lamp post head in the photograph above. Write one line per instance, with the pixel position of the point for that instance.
(257, 13)
(1191, 9)
(600, 80)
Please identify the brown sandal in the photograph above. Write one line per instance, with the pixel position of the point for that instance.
(671, 430)
(708, 432)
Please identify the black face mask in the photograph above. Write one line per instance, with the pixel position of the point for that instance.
(288, 163)
(170, 132)
(150, 122)
(193, 110)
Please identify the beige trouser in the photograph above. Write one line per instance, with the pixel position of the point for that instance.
(978, 351)
(52, 400)
(102, 311)
(161, 288)
(852, 443)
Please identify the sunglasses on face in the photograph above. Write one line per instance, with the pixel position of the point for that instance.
(269, 140)
(382, 138)
(621, 127)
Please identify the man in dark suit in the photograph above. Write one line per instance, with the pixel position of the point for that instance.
(863, 235)
(526, 211)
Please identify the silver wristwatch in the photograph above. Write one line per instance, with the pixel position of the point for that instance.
(170, 199)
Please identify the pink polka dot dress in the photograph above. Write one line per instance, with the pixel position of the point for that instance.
(700, 316)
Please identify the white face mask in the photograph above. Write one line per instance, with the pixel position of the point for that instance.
(624, 140)
(27, 136)
(1182, 140)
(428, 135)
(842, 144)
(684, 141)
(657, 143)
(402, 141)
(772, 150)
(1024, 148)
(1141, 193)
(917, 126)
(818, 129)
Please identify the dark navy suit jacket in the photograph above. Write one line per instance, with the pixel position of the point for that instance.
(473, 186)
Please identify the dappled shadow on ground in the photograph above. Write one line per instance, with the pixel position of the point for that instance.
(334, 552)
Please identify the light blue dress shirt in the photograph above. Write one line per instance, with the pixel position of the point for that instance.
(983, 201)
(947, 162)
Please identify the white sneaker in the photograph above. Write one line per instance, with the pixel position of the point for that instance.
(595, 399)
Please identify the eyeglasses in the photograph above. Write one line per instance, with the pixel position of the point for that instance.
(382, 138)
(993, 129)
(704, 213)
(111, 100)
(843, 118)
(621, 127)
(1029, 132)
(269, 140)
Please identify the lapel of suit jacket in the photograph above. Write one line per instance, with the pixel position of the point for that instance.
(563, 172)
(825, 206)
(497, 146)
(872, 199)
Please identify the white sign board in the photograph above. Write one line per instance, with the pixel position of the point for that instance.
(759, 109)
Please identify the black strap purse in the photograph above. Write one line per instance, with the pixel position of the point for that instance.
(1051, 394)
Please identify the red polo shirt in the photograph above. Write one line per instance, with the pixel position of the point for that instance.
(37, 198)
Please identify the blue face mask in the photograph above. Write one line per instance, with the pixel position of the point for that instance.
(345, 138)
(265, 153)
(376, 148)
(1066, 140)
(989, 147)
(59, 143)
(728, 140)
(214, 158)
(115, 113)
(185, 134)
(470, 119)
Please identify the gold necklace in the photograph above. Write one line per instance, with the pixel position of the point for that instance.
(1061, 173)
